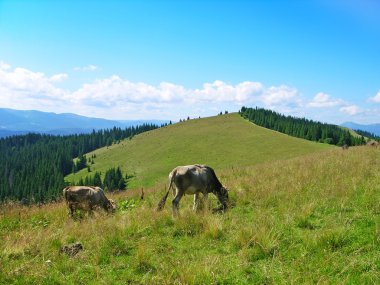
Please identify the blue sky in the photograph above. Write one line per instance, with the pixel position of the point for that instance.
(172, 59)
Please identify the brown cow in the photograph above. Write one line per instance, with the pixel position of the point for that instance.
(87, 198)
(193, 180)
(373, 143)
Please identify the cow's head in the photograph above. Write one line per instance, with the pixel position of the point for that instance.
(111, 206)
(222, 195)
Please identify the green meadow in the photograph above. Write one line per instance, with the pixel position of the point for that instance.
(301, 213)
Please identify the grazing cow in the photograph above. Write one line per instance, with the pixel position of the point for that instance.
(193, 180)
(373, 143)
(86, 198)
(345, 146)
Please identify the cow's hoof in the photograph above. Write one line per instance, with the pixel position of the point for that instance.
(220, 209)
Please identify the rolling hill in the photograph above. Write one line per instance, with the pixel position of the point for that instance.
(222, 142)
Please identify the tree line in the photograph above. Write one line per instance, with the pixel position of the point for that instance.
(33, 166)
(113, 180)
(301, 127)
(368, 135)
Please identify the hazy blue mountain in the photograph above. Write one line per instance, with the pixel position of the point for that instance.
(14, 122)
(373, 128)
(7, 133)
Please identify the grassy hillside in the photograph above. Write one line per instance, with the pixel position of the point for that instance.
(222, 142)
(310, 219)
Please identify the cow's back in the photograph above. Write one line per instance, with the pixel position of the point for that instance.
(190, 178)
(98, 197)
(78, 194)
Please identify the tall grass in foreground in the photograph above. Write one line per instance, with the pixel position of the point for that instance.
(313, 219)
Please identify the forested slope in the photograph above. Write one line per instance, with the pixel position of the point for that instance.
(33, 166)
(301, 127)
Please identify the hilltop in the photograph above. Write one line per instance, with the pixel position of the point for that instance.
(223, 142)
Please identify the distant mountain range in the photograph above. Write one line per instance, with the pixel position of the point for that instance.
(17, 122)
(373, 128)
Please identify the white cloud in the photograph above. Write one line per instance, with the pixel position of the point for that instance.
(115, 90)
(21, 88)
(171, 100)
(350, 110)
(117, 98)
(326, 102)
(375, 98)
(4, 66)
(58, 77)
(280, 95)
(323, 100)
(89, 67)
(21, 80)
(219, 91)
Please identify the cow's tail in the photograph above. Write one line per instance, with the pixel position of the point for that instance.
(161, 205)
(65, 193)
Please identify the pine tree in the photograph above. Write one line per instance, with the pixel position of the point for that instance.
(80, 182)
(98, 180)
(122, 185)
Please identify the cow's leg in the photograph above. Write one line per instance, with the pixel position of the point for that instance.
(196, 202)
(71, 210)
(175, 202)
(205, 201)
(90, 210)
